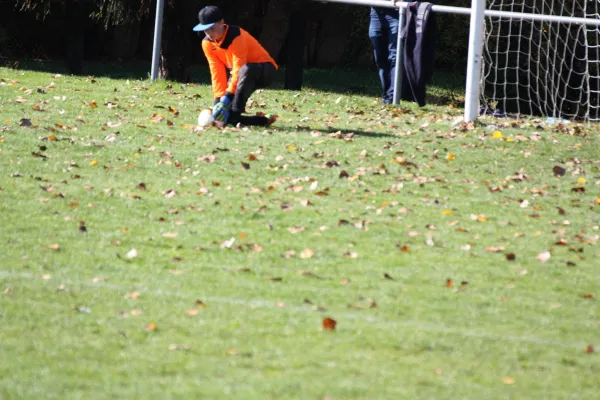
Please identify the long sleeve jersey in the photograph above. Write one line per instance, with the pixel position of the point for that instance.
(236, 49)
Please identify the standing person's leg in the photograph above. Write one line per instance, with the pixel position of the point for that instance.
(378, 37)
(251, 77)
(392, 22)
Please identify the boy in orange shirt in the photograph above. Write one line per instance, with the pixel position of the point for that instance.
(229, 47)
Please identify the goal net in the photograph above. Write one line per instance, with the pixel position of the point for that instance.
(550, 69)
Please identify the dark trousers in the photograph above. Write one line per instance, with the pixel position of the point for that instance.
(250, 78)
(383, 32)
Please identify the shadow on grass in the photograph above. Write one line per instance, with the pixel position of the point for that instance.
(343, 132)
(445, 89)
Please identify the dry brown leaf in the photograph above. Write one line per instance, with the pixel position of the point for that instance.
(199, 303)
(329, 324)
(559, 171)
(589, 349)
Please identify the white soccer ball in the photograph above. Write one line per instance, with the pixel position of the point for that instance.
(205, 118)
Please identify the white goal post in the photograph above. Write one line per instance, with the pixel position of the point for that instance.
(556, 73)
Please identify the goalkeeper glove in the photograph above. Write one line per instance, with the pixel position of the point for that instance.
(222, 108)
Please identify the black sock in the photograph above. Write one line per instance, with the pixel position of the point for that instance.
(248, 120)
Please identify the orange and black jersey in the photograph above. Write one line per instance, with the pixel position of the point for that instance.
(236, 49)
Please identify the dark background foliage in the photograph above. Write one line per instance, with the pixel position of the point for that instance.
(122, 30)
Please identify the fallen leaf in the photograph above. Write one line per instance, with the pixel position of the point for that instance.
(174, 346)
(589, 349)
(449, 283)
(227, 243)
(132, 253)
(150, 327)
(508, 381)
(232, 352)
(307, 253)
(510, 256)
(494, 249)
(54, 246)
(177, 272)
(560, 171)
(450, 157)
(245, 165)
(543, 257)
(192, 312)
(295, 229)
(170, 234)
(329, 324)
(588, 295)
(199, 303)
(132, 295)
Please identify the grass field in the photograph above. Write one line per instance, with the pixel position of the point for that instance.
(145, 258)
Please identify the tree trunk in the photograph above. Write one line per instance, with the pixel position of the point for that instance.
(176, 56)
(294, 64)
(75, 20)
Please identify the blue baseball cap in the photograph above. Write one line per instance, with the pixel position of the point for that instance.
(208, 16)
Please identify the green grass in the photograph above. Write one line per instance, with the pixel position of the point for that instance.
(421, 202)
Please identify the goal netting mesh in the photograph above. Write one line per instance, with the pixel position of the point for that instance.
(543, 68)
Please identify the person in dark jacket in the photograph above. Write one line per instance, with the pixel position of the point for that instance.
(229, 47)
(383, 32)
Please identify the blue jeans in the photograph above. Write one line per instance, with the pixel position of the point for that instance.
(383, 32)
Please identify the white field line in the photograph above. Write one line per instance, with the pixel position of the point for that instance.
(272, 304)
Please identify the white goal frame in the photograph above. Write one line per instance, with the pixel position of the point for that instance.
(478, 13)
